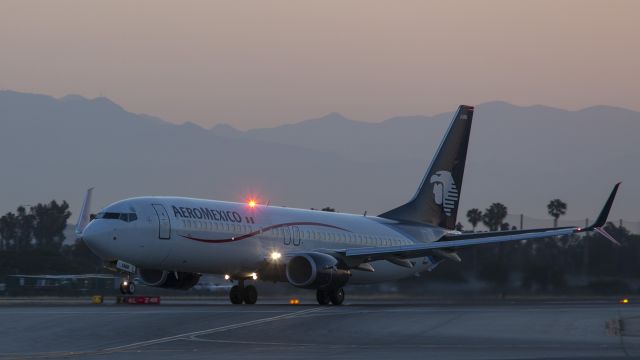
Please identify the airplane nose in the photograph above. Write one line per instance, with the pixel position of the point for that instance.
(95, 236)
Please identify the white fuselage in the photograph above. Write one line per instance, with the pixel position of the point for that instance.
(216, 237)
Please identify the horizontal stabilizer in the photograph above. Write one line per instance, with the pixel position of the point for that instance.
(85, 213)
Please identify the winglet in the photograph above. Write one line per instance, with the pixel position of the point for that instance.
(604, 213)
(598, 225)
(83, 218)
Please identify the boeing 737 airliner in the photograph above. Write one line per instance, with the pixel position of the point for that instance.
(171, 241)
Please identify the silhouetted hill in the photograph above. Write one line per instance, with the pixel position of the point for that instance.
(521, 156)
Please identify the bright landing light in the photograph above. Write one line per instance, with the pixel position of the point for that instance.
(254, 276)
(252, 203)
(227, 277)
(275, 256)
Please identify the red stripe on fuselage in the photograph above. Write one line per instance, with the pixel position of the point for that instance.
(246, 236)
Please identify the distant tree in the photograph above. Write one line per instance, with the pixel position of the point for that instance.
(25, 222)
(504, 226)
(8, 230)
(474, 216)
(494, 216)
(556, 208)
(50, 221)
(328, 209)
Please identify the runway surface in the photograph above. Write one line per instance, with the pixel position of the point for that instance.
(399, 329)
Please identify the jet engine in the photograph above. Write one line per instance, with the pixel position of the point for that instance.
(316, 270)
(169, 279)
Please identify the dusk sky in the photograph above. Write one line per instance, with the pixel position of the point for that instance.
(264, 63)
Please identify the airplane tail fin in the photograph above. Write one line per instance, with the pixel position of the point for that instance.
(85, 213)
(437, 198)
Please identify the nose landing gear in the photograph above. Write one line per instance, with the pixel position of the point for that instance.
(127, 287)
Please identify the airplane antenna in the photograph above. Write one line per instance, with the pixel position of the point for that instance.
(365, 213)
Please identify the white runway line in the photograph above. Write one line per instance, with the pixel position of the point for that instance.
(193, 334)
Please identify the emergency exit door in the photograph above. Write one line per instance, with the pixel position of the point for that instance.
(164, 230)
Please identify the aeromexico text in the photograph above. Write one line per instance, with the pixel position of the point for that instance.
(209, 214)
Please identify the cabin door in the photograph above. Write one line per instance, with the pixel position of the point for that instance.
(164, 225)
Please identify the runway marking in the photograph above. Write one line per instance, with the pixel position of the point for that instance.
(190, 335)
(409, 346)
(136, 312)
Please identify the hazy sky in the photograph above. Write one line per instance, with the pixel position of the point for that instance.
(263, 63)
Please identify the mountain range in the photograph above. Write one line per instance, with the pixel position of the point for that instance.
(55, 148)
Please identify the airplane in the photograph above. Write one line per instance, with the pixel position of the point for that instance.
(171, 241)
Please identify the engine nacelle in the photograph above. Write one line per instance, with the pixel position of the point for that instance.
(169, 279)
(316, 270)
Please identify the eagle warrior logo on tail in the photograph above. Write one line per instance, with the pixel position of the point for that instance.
(445, 192)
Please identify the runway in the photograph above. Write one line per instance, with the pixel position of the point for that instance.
(359, 330)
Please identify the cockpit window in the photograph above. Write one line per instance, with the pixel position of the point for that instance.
(126, 217)
(110, 215)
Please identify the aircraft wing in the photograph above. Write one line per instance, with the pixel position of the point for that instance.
(453, 241)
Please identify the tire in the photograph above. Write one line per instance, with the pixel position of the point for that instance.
(250, 295)
(323, 297)
(123, 289)
(131, 288)
(235, 295)
(337, 296)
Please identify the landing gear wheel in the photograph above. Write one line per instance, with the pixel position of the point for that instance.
(323, 297)
(127, 288)
(250, 295)
(337, 296)
(235, 295)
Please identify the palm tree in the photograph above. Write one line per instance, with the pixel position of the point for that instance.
(474, 216)
(556, 208)
(494, 216)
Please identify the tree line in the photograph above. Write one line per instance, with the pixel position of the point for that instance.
(42, 226)
(493, 217)
(32, 242)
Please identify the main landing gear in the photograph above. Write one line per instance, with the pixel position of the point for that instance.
(243, 294)
(334, 296)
